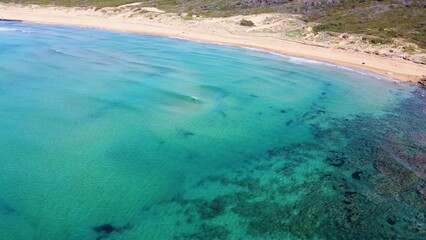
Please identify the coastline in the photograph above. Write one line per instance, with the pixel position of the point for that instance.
(401, 69)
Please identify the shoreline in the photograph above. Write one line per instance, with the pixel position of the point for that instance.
(401, 69)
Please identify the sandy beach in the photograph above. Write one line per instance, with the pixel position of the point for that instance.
(214, 30)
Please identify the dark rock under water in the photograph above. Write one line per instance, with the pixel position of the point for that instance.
(374, 202)
(5, 208)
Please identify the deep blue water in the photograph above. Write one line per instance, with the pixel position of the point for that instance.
(108, 135)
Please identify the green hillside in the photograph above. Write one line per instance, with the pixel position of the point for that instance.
(381, 21)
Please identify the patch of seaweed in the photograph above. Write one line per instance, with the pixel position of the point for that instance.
(105, 230)
(362, 178)
(206, 232)
(5, 208)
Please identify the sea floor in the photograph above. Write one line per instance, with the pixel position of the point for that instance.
(107, 135)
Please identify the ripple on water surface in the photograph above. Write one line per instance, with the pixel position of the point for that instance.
(107, 135)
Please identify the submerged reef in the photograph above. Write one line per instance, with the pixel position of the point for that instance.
(104, 231)
(362, 178)
(5, 208)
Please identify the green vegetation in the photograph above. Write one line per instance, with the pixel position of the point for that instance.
(379, 21)
(246, 23)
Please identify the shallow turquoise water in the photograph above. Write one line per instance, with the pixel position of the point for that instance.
(107, 135)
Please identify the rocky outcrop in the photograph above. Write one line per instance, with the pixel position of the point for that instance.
(422, 81)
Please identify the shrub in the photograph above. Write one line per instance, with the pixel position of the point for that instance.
(246, 23)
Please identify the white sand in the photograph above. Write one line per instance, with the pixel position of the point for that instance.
(218, 30)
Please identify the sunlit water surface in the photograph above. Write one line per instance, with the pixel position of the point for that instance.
(107, 135)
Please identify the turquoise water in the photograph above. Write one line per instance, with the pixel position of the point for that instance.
(107, 135)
